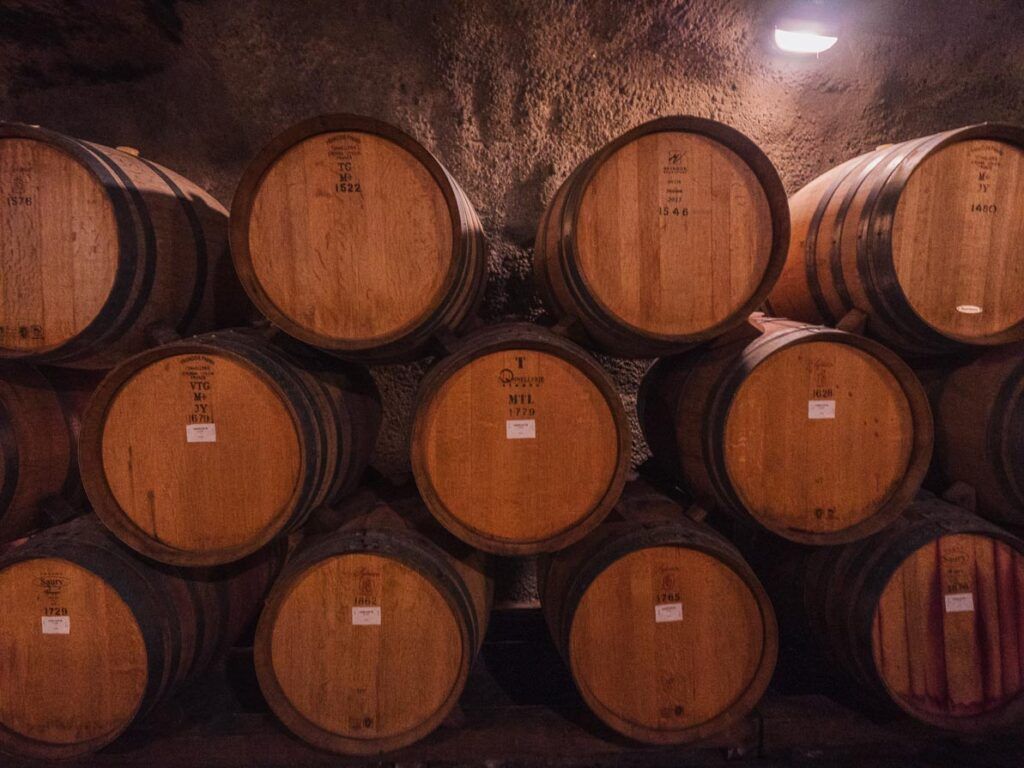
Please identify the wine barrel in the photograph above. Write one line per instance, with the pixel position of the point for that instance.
(818, 435)
(666, 237)
(405, 608)
(99, 246)
(40, 411)
(979, 430)
(926, 615)
(923, 237)
(520, 442)
(201, 451)
(668, 634)
(350, 236)
(93, 636)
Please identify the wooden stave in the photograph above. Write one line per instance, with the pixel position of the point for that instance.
(517, 335)
(465, 283)
(562, 287)
(169, 606)
(869, 270)
(39, 425)
(311, 392)
(845, 583)
(686, 434)
(643, 519)
(978, 412)
(141, 296)
(396, 526)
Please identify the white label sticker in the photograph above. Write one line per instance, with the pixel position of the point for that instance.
(668, 612)
(526, 429)
(201, 433)
(969, 309)
(56, 625)
(363, 615)
(960, 602)
(821, 409)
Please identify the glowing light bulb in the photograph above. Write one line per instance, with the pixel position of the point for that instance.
(794, 41)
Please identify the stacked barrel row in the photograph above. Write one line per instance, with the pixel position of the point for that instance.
(360, 248)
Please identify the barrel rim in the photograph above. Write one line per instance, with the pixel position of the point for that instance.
(241, 212)
(127, 254)
(98, 490)
(596, 312)
(340, 544)
(899, 497)
(673, 534)
(498, 338)
(883, 215)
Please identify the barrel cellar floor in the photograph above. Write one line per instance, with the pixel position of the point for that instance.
(520, 709)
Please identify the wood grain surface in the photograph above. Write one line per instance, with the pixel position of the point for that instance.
(819, 435)
(518, 447)
(668, 634)
(366, 263)
(920, 236)
(94, 636)
(674, 234)
(645, 674)
(201, 496)
(349, 235)
(98, 247)
(957, 237)
(665, 237)
(200, 452)
(63, 688)
(366, 642)
(59, 246)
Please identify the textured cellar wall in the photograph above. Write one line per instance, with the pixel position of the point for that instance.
(510, 95)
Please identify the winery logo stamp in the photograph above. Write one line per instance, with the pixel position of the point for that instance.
(52, 584)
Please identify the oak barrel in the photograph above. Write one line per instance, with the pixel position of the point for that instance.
(368, 636)
(201, 451)
(349, 235)
(668, 634)
(979, 429)
(93, 635)
(927, 615)
(40, 413)
(520, 442)
(99, 246)
(664, 238)
(819, 435)
(924, 237)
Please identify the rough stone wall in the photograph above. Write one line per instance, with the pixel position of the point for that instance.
(509, 94)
